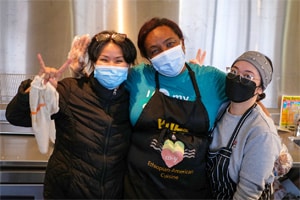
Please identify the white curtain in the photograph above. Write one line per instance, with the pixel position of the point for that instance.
(225, 29)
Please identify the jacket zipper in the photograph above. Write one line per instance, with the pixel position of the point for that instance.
(115, 91)
(107, 138)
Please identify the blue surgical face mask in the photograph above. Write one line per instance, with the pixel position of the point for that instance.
(170, 62)
(110, 77)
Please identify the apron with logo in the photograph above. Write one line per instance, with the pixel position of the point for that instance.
(223, 187)
(167, 157)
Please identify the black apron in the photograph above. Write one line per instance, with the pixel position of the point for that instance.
(223, 187)
(167, 157)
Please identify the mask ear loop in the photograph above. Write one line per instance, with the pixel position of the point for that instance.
(260, 96)
(182, 45)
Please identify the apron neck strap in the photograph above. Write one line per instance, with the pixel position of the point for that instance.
(239, 125)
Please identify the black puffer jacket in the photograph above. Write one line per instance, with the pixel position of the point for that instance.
(92, 138)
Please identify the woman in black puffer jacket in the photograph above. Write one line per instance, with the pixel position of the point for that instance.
(92, 125)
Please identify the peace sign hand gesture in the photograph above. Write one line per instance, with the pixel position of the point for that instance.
(50, 74)
(200, 57)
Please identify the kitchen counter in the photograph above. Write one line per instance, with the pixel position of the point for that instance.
(20, 158)
(22, 166)
(21, 151)
(294, 149)
(21, 148)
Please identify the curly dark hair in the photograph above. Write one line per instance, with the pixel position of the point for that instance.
(152, 24)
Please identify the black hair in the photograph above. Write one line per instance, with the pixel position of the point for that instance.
(95, 48)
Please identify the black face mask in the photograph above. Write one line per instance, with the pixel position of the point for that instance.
(237, 91)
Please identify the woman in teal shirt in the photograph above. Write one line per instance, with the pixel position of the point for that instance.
(173, 105)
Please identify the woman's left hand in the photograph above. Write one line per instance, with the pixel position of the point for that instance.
(200, 57)
(78, 52)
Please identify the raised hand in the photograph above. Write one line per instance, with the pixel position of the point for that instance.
(200, 57)
(50, 74)
(77, 53)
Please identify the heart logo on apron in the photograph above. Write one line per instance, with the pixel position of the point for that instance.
(172, 153)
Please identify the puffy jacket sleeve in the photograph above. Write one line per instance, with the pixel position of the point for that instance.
(18, 109)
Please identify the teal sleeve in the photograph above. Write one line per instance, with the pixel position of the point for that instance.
(211, 83)
(140, 84)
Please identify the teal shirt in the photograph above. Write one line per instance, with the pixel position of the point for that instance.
(210, 80)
